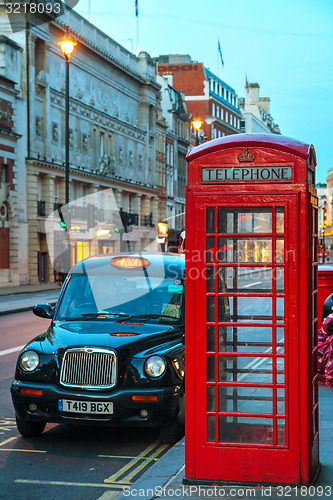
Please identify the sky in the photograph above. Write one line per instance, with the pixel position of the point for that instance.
(286, 46)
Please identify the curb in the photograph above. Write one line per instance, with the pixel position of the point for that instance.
(21, 309)
(159, 475)
(15, 291)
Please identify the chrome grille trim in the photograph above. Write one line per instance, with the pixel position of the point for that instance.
(89, 368)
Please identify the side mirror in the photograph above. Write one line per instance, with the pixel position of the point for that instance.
(43, 310)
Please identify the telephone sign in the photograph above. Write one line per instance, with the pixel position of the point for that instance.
(220, 174)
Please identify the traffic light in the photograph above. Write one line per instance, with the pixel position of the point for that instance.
(92, 216)
(123, 217)
(62, 220)
(126, 220)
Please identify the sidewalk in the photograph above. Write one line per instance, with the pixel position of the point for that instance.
(23, 298)
(165, 478)
(14, 290)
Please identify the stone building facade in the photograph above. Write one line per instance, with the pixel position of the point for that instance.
(13, 221)
(325, 215)
(256, 117)
(207, 97)
(177, 141)
(112, 142)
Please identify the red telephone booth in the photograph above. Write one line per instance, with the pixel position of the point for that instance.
(251, 311)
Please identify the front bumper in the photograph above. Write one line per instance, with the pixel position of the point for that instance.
(125, 411)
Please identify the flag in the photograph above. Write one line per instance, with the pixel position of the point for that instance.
(136, 8)
(220, 52)
(246, 82)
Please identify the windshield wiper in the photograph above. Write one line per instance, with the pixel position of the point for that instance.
(152, 316)
(100, 314)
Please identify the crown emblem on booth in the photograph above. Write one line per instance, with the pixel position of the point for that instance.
(246, 156)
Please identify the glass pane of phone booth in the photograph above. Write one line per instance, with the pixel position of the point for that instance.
(245, 312)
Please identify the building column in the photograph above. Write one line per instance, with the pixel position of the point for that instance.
(145, 206)
(32, 196)
(62, 189)
(154, 210)
(118, 197)
(138, 241)
(136, 207)
(94, 195)
(14, 242)
(49, 196)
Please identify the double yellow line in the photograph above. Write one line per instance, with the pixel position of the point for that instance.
(125, 475)
(9, 440)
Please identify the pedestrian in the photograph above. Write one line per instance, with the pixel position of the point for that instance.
(325, 352)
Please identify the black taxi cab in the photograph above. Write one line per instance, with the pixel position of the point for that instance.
(113, 353)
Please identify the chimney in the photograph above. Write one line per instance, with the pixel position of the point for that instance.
(252, 94)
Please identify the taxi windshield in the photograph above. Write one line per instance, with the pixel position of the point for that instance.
(115, 296)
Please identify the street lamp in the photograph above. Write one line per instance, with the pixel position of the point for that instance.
(67, 45)
(197, 125)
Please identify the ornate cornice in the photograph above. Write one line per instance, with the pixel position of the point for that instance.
(37, 166)
(76, 106)
(100, 51)
(9, 132)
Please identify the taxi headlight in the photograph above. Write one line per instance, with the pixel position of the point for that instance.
(29, 361)
(155, 366)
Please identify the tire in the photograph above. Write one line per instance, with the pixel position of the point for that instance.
(29, 429)
(173, 432)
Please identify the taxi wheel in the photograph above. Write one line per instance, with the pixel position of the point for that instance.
(26, 428)
(173, 432)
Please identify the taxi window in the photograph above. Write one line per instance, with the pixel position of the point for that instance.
(123, 294)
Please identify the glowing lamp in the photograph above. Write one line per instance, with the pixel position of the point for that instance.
(67, 45)
(197, 123)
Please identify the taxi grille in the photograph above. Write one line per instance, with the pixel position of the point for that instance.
(91, 368)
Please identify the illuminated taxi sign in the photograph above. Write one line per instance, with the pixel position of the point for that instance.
(129, 262)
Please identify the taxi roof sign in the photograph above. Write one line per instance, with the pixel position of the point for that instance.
(129, 262)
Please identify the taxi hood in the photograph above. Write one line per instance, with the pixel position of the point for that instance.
(126, 338)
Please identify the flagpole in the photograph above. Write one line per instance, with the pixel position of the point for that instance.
(137, 35)
(137, 25)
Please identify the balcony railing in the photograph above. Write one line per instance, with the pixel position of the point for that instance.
(147, 220)
(94, 215)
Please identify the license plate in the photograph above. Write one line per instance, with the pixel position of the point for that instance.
(88, 407)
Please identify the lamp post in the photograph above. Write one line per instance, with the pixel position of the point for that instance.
(67, 45)
(197, 125)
